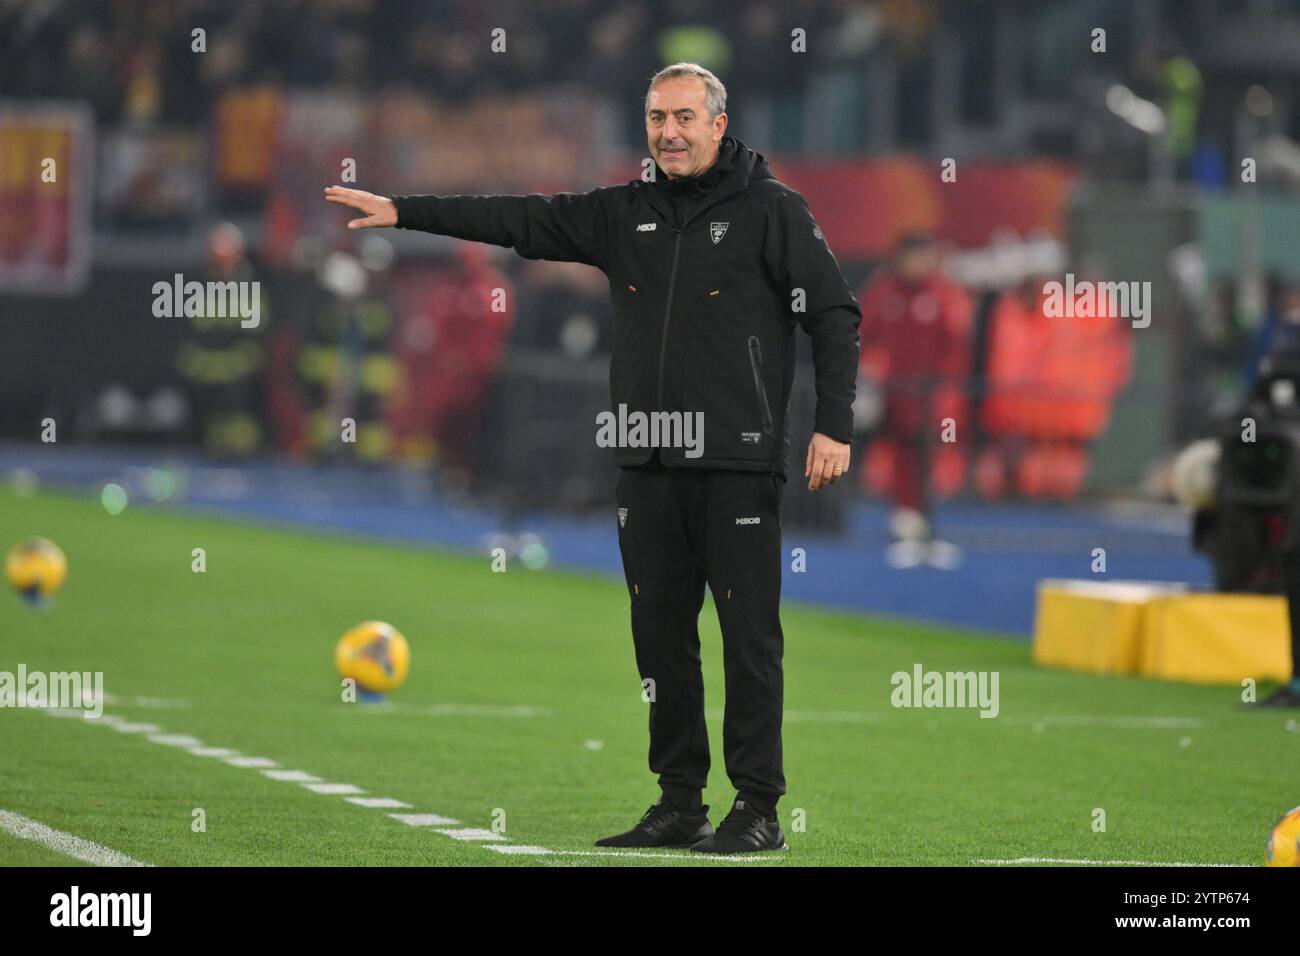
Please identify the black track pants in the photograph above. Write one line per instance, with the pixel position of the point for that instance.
(679, 529)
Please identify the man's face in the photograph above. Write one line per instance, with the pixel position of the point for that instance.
(683, 140)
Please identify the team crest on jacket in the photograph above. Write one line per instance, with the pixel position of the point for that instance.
(717, 230)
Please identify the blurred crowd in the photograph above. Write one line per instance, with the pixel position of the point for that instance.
(134, 60)
(895, 72)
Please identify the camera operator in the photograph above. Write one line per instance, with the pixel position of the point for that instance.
(1247, 517)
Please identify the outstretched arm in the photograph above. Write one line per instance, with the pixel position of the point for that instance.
(566, 227)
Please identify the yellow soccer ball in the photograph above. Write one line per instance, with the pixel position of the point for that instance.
(36, 568)
(375, 655)
(1284, 841)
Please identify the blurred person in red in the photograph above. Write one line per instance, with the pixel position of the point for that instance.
(449, 351)
(916, 346)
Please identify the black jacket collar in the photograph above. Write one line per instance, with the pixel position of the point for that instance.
(707, 180)
(736, 167)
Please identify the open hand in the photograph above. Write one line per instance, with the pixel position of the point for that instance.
(379, 210)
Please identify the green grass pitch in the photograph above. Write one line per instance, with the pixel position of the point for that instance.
(244, 656)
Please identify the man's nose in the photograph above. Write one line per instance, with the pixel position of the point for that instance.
(670, 131)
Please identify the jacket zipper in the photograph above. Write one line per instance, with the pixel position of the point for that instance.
(672, 280)
(668, 309)
(756, 363)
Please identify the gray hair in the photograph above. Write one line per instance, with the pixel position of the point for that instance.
(715, 92)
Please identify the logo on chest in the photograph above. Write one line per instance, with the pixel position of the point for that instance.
(717, 230)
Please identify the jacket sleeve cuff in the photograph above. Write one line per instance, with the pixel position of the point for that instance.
(836, 423)
(398, 202)
(408, 209)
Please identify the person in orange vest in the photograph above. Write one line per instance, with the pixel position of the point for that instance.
(1050, 386)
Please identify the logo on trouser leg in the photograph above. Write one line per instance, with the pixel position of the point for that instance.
(754, 520)
(622, 517)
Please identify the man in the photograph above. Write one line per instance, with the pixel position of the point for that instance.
(223, 364)
(918, 322)
(711, 265)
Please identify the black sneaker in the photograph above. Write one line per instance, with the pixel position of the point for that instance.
(745, 830)
(665, 826)
(1286, 697)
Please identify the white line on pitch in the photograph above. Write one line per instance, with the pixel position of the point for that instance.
(334, 789)
(254, 762)
(291, 776)
(424, 820)
(472, 834)
(74, 846)
(270, 768)
(519, 849)
(129, 728)
(1032, 860)
(214, 752)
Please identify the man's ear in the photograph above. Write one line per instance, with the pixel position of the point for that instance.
(719, 127)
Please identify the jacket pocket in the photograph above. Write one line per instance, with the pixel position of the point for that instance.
(756, 365)
(629, 335)
(725, 376)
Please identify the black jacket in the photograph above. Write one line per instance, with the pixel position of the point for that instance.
(704, 312)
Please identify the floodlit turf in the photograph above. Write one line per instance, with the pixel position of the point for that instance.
(242, 657)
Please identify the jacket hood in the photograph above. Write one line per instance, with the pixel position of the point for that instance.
(750, 162)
